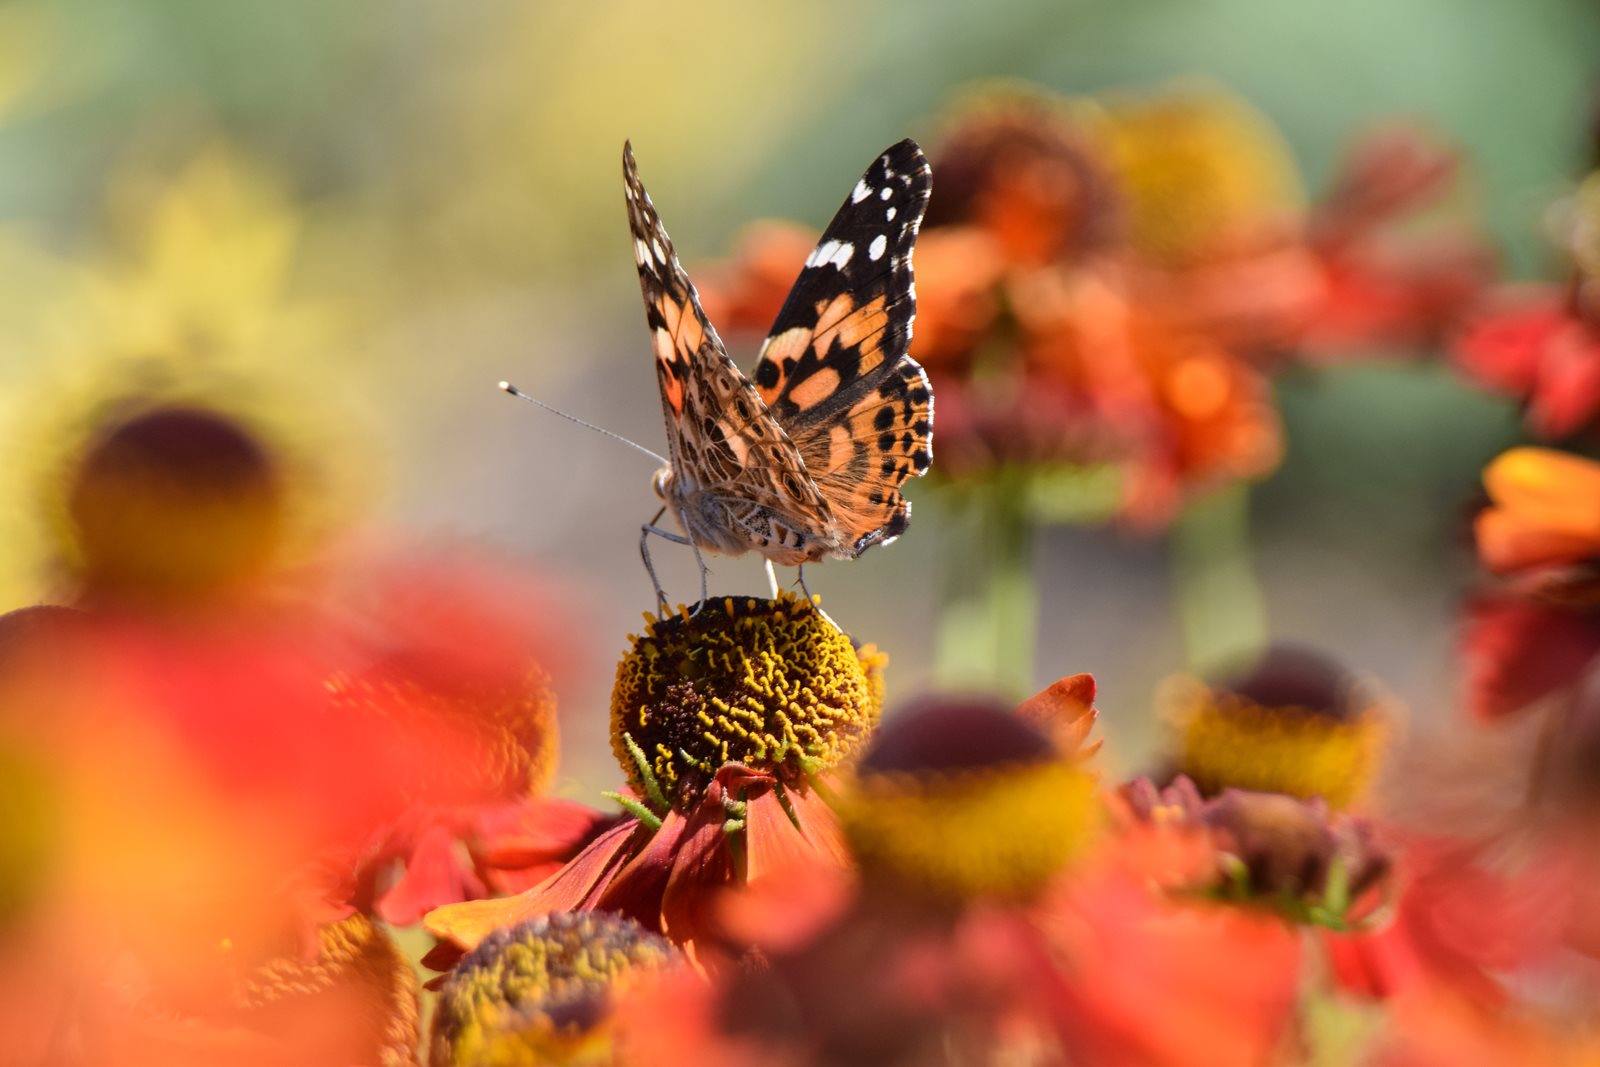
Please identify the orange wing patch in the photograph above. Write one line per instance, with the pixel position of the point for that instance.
(811, 391)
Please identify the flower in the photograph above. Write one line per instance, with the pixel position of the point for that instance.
(1286, 854)
(173, 503)
(187, 314)
(966, 799)
(729, 723)
(544, 991)
(1544, 510)
(453, 664)
(1531, 634)
(768, 684)
(1102, 283)
(1292, 721)
(1541, 344)
(958, 813)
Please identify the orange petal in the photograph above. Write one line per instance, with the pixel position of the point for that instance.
(1509, 541)
(1064, 709)
(1547, 488)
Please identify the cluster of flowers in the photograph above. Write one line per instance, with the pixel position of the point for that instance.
(1107, 284)
(222, 808)
(239, 796)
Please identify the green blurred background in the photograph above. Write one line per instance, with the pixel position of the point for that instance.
(450, 177)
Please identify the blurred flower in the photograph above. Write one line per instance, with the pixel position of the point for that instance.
(191, 315)
(958, 813)
(1541, 344)
(1532, 634)
(1438, 1030)
(1544, 510)
(1466, 916)
(1290, 721)
(727, 722)
(1101, 284)
(965, 800)
(1142, 977)
(454, 652)
(174, 503)
(544, 991)
(1392, 276)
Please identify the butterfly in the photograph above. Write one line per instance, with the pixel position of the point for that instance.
(807, 460)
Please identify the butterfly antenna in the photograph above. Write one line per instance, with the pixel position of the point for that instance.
(518, 393)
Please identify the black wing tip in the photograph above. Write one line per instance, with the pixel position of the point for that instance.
(905, 149)
(888, 533)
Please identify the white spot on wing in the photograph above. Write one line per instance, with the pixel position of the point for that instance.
(862, 191)
(875, 249)
(887, 192)
(890, 214)
(641, 252)
(835, 253)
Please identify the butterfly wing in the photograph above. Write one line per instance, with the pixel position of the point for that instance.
(724, 442)
(834, 369)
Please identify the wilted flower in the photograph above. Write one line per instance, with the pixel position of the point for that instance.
(1288, 721)
(1281, 852)
(544, 991)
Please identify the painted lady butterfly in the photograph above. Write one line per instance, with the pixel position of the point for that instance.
(806, 461)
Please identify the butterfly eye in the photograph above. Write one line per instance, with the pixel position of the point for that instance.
(660, 481)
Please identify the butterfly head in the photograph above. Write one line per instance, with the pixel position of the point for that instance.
(661, 482)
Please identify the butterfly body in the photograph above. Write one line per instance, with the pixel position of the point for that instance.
(805, 462)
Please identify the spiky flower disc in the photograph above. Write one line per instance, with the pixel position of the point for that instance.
(771, 684)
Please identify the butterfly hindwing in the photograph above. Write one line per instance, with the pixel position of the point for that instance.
(835, 371)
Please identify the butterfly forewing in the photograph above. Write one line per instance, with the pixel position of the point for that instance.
(730, 457)
(834, 369)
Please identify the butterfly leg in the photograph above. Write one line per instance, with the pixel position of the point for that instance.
(699, 562)
(650, 568)
(800, 577)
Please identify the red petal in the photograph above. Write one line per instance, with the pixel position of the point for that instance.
(438, 872)
(1566, 397)
(775, 844)
(1504, 350)
(1518, 651)
(537, 831)
(1064, 709)
(702, 868)
(637, 889)
(569, 889)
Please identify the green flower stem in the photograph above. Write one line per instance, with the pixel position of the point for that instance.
(989, 612)
(1220, 605)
